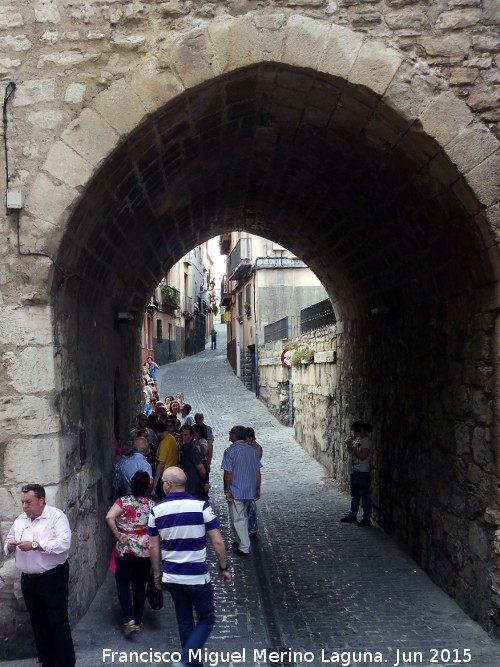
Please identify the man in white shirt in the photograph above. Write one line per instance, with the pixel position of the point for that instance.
(40, 538)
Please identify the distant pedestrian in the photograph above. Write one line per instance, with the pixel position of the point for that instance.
(241, 467)
(40, 537)
(175, 409)
(213, 336)
(360, 450)
(187, 417)
(252, 507)
(153, 367)
(177, 543)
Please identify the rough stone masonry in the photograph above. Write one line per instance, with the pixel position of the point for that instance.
(361, 135)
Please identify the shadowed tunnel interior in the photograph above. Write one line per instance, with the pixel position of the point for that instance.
(297, 157)
(366, 199)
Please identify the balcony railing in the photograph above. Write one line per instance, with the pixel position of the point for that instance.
(288, 327)
(240, 259)
(170, 297)
(317, 316)
(226, 293)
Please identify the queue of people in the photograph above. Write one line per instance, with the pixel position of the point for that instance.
(163, 472)
(161, 482)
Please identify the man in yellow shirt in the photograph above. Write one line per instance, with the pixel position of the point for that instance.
(167, 454)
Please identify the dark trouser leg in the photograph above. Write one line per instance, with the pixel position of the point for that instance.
(142, 567)
(39, 620)
(360, 490)
(123, 577)
(193, 636)
(48, 599)
(355, 497)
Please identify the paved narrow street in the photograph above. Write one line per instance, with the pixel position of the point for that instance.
(327, 591)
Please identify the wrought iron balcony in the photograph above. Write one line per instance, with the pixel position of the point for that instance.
(170, 297)
(240, 260)
(226, 294)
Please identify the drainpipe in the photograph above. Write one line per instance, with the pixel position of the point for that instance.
(238, 352)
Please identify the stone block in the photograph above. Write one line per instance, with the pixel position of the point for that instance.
(471, 147)
(67, 166)
(34, 91)
(14, 43)
(48, 201)
(154, 88)
(91, 137)
(238, 43)
(120, 107)
(481, 407)
(75, 93)
(375, 66)
(485, 179)
(454, 46)
(194, 59)
(458, 18)
(10, 504)
(36, 414)
(46, 11)
(50, 37)
(463, 192)
(305, 42)
(445, 117)
(407, 19)
(9, 18)
(462, 439)
(40, 461)
(62, 59)
(28, 325)
(172, 8)
(39, 361)
(7, 65)
(481, 346)
(45, 120)
(481, 446)
(128, 42)
(341, 50)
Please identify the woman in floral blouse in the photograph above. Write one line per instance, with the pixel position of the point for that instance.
(128, 521)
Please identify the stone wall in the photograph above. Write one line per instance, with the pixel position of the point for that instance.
(131, 132)
(431, 406)
(66, 52)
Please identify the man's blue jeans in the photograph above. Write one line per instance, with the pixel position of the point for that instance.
(193, 635)
(360, 490)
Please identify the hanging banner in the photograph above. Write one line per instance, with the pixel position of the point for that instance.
(227, 316)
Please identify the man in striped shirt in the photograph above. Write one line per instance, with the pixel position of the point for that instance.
(177, 531)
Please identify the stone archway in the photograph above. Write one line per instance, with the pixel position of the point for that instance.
(397, 184)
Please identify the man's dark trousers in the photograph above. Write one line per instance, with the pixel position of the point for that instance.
(46, 598)
(193, 635)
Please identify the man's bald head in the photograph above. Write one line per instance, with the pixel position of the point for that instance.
(176, 477)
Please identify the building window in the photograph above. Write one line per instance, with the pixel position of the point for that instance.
(240, 304)
(159, 331)
(248, 300)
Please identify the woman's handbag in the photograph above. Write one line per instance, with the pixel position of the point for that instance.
(155, 597)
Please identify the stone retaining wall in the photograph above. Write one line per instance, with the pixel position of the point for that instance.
(434, 453)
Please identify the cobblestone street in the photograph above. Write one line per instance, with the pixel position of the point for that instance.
(312, 585)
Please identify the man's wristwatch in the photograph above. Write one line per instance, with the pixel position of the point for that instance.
(223, 569)
(34, 546)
